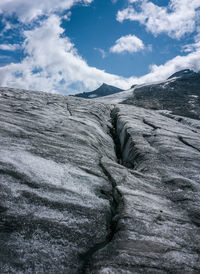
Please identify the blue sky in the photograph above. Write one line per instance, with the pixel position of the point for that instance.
(69, 46)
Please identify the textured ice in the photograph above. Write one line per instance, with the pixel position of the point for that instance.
(52, 209)
(157, 228)
(79, 194)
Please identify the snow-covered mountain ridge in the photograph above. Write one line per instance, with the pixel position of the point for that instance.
(179, 94)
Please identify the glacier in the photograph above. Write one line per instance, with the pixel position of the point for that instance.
(92, 187)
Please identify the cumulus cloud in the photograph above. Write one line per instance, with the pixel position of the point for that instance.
(9, 47)
(177, 19)
(67, 16)
(128, 43)
(157, 73)
(191, 47)
(29, 10)
(52, 63)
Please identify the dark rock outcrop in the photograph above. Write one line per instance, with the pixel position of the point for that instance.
(92, 188)
(103, 90)
(183, 73)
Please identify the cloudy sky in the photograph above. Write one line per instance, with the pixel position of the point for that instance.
(69, 46)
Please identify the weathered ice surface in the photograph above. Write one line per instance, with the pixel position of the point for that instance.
(79, 194)
(53, 192)
(158, 218)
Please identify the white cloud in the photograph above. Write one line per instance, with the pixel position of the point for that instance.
(128, 43)
(192, 61)
(27, 10)
(133, 1)
(102, 52)
(177, 19)
(53, 64)
(9, 47)
(67, 16)
(193, 46)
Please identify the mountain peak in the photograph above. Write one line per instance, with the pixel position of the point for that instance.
(104, 85)
(103, 90)
(182, 73)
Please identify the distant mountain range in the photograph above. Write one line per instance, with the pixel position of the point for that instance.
(103, 90)
(179, 94)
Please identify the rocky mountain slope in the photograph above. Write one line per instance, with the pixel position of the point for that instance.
(87, 187)
(180, 95)
(103, 90)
